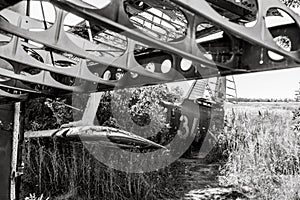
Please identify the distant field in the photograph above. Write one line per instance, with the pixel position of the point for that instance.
(253, 108)
(271, 105)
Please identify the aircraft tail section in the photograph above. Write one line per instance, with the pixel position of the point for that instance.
(198, 89)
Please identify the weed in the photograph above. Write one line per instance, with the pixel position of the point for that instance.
(263, 153)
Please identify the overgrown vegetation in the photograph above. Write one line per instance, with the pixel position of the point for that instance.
(66, 170)
(260, 146)
(263, 153)
(261, 149)
(63, 170)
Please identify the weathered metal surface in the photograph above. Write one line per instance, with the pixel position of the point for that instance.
(240, 50)
(110, 136)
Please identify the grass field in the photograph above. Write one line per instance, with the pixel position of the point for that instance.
(263, 150)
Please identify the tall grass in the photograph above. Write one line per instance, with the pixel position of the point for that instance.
(263, 153)
(64, 170)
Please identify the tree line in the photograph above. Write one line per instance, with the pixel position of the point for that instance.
(241, 99)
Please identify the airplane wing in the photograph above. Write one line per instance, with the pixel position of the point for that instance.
(107, 136)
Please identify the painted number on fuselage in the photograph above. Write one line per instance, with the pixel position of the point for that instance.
(184, 130)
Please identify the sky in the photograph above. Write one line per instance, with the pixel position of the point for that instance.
(278, 84)
(274, 84)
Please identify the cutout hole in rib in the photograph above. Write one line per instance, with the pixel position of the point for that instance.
(285, 43)
(166, 66)
(7, 66)
(161, 20)
(214, 42)
(242, 12)
(284, 30)
(5, 37)
(44, 14)
(185, 65)
(97, 4)
(94, 39)
(64, 79)
(153, 60)
(107, 75)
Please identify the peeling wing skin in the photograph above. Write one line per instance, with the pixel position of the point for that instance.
(108, 135)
